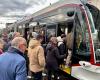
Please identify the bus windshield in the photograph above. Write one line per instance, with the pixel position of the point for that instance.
(82, 42)
(95, 37)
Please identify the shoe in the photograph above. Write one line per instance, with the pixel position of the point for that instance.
(29, 77)
(58, 78)
(44, 74)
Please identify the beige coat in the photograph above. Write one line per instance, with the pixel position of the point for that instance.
(36, 56)
(69, 40)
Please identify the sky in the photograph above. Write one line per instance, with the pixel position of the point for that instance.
(12, 10)
(21, 7)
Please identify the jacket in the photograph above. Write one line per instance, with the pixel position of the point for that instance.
(12, 65)
(52, 57)
(36, 56)
(69, 40)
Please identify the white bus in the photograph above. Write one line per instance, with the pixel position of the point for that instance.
(53, 20)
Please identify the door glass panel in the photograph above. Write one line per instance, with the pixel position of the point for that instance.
(51, 31)
(97, 47)
(81, 50)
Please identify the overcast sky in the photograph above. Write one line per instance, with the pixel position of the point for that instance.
(24, 7)
(21, 7)
(12, 10)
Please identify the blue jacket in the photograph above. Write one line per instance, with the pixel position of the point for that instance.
(12, 65)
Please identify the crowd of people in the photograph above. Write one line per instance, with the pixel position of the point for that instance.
(14, 65)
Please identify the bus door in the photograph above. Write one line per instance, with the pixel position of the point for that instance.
(81, 48)
(82, 56)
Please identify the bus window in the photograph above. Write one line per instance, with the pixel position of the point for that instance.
(95, 35)
(81, 50)
(62, 28)
(91, 21)
(51, 31)
(95, 13)
(42, 32)
(97, 55)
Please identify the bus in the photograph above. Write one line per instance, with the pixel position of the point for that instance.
(54, 20)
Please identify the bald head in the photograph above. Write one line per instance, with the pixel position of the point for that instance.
(19, 42)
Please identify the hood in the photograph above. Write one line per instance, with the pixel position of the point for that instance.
(34, 43)
(59, 39)
(59, 43)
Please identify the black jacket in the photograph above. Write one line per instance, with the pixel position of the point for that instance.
(52, 57)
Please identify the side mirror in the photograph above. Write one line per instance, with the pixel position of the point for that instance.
(70, 13)
(97, 55)
(84, 63)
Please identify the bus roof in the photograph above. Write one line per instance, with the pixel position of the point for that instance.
(47, 9)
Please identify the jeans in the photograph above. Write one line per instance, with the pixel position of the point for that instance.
(53, 72)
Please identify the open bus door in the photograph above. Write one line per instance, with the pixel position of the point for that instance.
(81, 51)
(84, 64)
(84, 55)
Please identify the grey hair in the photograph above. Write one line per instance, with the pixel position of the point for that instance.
(34, 34)
(16, 41)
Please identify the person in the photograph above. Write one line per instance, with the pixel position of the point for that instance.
(6, 40)
(13, 35)
(30, 35)
(34, 34)
(62, 49)
(61, 45)
(63, 37)
(1, 46)
(69, 43)
(36, 57)
(12, 62)
(52, 58)
(10, 35)
(16, 34)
